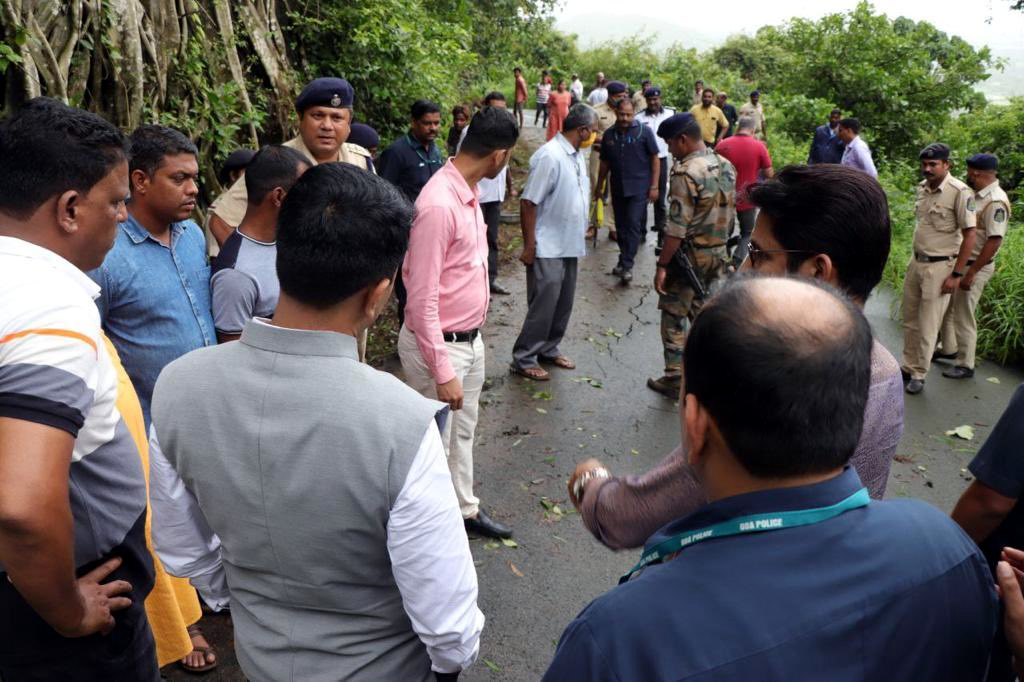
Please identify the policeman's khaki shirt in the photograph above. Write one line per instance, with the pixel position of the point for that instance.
(942, 215)
(993, 215)
(230, 206)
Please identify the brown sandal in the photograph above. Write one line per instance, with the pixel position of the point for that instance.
(193, 632)
(535, 373)
(560, 361)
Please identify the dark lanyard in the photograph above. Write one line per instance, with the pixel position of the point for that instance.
(755, 523)
(419, 152)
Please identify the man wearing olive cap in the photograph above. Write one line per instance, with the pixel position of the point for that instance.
(325, 116)
(605, 120)
(960, 326)
(943, 241)
(702, 208)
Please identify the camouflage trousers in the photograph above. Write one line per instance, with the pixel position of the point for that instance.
(680, 304)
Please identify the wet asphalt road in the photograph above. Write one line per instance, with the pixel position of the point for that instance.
(531, 435)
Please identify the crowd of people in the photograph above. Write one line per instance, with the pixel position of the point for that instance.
(188, 411)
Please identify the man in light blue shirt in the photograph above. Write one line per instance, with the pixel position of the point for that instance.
(857, 154)
(554, 216)
(155, 281)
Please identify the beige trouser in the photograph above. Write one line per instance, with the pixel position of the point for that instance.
(924, 304)
(595, 170)
(960, 325)
(468, 362)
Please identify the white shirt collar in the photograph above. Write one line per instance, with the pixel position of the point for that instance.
(12, 246)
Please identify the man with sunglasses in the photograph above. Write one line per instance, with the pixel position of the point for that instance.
(827, 222)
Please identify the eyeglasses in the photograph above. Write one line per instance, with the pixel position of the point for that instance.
(758, 256)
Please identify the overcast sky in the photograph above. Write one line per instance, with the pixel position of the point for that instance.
(966, 18)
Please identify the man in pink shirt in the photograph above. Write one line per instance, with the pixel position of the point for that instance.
(445, 273)
(751, 158)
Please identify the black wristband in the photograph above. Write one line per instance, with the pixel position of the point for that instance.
(957, 274)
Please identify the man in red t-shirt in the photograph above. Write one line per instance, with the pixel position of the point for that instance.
(520, 95)
(751, 158)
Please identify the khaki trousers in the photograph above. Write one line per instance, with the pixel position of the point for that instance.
(924, 304)
(595, 170)
(960, 325)
(468, 362)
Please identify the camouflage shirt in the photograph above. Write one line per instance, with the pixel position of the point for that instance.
(702, 199)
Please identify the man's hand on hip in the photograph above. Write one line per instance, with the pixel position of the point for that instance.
(451, 393)
(100, 600)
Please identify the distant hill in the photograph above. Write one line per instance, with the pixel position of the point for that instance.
(598, 27)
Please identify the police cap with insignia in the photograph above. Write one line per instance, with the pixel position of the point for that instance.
(325, 92)
(936, 151)
(615, 87)
(652, 91)
(984, 162)
(677, 124)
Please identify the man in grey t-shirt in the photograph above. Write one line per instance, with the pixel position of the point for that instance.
(244, 283)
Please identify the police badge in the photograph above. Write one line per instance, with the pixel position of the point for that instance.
(336, 101)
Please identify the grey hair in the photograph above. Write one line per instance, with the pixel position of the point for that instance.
(747, 123)
(579, 115)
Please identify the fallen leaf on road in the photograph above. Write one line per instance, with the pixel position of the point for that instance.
(555, 537)
(904, 459)
(541, 410)
(492, 665)
(542, 395)
(634, 452)
(508, 542)
(492, 545)
(596, 383)
(993, 380)
(965, 431)
(518, 441)
(515, 570)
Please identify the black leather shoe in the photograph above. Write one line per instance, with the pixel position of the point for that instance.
(499, 290)
(915, 386)
(958, 372)
(618, 270)
(482, 524)
(943, 356)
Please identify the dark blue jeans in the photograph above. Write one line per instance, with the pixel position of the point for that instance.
(630, 222)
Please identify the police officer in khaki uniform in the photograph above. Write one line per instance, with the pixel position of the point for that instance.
(943, 241)
(960, 327)
(702, 208)
(605, 120)
(325, 116)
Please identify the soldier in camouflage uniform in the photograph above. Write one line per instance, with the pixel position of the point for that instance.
(702, 207)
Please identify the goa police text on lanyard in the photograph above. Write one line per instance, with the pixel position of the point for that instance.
(755, 523)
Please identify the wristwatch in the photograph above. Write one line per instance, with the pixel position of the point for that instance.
(586, 477)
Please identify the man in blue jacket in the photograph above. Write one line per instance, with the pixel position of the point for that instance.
(827, 147)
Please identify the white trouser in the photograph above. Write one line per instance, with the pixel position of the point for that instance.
(468, 363)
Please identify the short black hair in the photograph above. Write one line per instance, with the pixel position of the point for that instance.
(493, 96)
(340, 229)
(422, 107)
(622, 102)
(836, 210)
(460, 109)
(517, 69)
(49, 148)
(490, 129)
(151, 143)
(837, 110)
(273, 166)
(851, 123)
(788, 398)
(711, 90)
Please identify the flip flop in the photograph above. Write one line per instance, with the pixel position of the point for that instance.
(560, 361)
(535, 373)
(194, 631)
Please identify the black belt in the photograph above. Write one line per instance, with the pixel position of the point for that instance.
(461, 337)
(922, 258)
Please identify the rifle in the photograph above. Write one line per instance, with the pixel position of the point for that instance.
(683, 262)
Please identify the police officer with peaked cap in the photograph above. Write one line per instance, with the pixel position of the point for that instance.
(992, 211)
(325, 115)
(943, 242)
(702, 208)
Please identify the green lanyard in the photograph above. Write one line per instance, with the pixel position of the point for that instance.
(755, 523)
(419, 152)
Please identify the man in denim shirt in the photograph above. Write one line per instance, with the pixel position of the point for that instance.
(155, 300)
